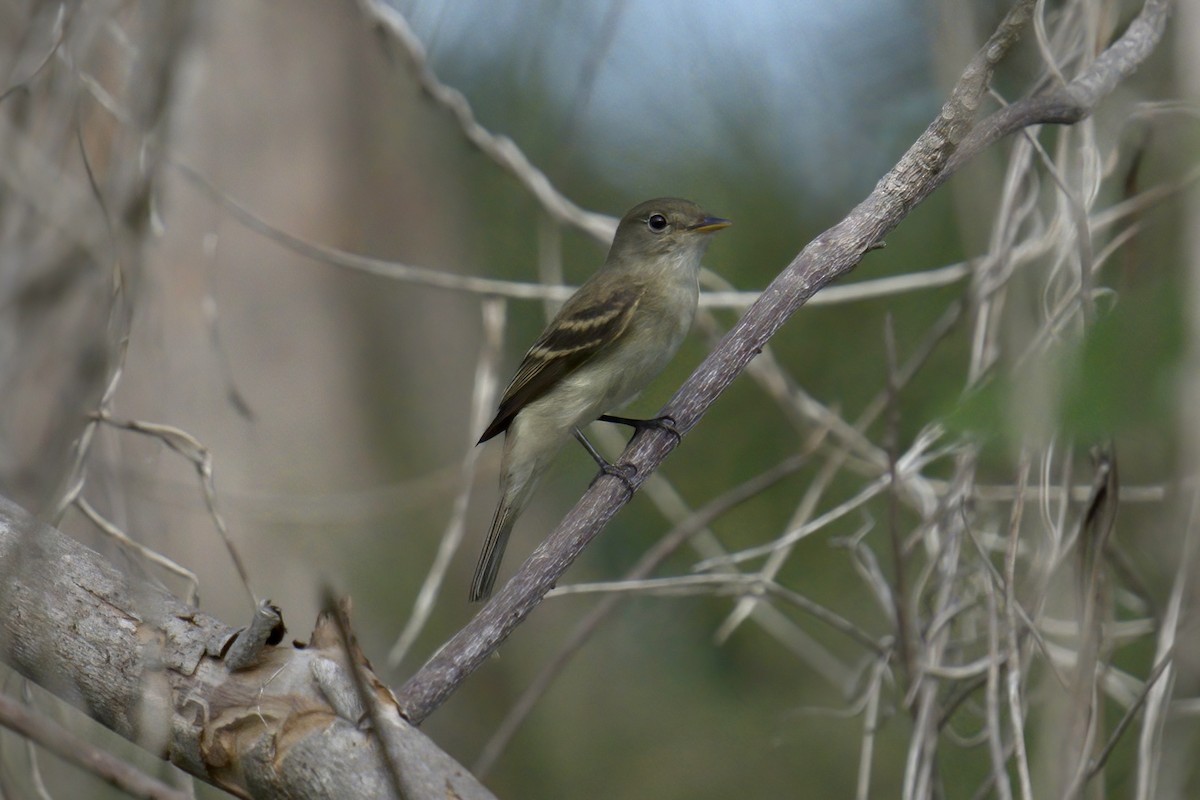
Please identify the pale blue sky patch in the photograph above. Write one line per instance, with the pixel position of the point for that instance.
(822, 94)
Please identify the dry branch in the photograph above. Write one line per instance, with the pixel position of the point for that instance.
(139, 661)
(283, 720)
(831, 255)
(74, 749)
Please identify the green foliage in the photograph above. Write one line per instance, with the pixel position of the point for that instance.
(1120, 378)
(1124, 375)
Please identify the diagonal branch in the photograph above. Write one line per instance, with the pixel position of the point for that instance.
(402, 41)
(831, 255)
(74, 749)
(1076, 100)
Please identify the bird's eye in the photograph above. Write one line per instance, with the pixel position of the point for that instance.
(656, 223)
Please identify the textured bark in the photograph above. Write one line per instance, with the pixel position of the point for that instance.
(132, 656)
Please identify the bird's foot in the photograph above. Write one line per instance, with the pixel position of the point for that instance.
(663, 423)
(623, 472)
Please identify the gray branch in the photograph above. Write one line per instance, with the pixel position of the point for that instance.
(926, 165)
(286, 723)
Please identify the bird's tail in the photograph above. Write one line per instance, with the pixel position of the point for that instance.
(493, 550)
(526, 458)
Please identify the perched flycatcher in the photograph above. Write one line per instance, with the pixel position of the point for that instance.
(606, 343)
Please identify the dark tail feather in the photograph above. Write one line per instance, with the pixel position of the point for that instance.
(493, 552)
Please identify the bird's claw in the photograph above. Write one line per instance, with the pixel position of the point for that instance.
(664, 423)
(625, 473)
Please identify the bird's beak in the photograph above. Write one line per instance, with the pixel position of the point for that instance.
(710, 224)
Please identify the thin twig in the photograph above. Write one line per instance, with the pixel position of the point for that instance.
(482, 402)
(870, 726)
(58, 33)
(339, 612)
(1130, 715)
(650, 561)
(937, 333)
(190, 448)
(993, 731)
(1013, 673)
(153, 556)
(399, 37)
(914, 460)
(686, 585)
(903, 619)
(547, 292)
(73, 749)
(1149, 750)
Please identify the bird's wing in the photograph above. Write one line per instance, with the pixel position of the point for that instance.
(575, 335)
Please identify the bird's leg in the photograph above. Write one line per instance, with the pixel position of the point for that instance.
(624, 472)
(663, 423)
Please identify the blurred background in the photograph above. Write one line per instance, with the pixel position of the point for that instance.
(337, 406)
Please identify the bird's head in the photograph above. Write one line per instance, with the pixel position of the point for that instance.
(664, 228)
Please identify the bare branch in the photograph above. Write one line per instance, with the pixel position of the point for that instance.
(200, 457)
(553, 292)
(399, 38)
(76, 750)
(645, 566)
(482, 403)
(1078, 99)
(829, 256)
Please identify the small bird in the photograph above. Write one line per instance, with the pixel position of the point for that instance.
(609, 340)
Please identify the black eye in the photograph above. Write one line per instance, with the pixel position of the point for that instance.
(656, 223)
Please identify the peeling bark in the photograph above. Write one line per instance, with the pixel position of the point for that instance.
(135, 658)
